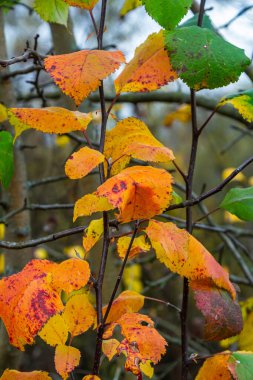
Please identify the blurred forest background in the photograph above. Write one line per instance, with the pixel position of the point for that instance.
(44, 197)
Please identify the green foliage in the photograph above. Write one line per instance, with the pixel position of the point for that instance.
(244, 365)
(239, 202)
(55, 11)
(6, 158)
(203, 59)
(167, 13)
(207, 23)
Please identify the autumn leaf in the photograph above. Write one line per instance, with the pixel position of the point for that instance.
(91, 377)
(71, 275)
(141, 341)
(149, 69)
(48, 120)
(93, 234)
(243, 102)
(228, 366)
(129, 5)
(85, 4)
(55, 331)
(87, 67)
(132, 277)
(109, 348)
(3, 113)
(127, 302)
(182, 114)
(139, 245)
(183, 254)
(132, 138)
(66, 359)
(138, 193)
(79, 314)
(12, 374)
(83, 162)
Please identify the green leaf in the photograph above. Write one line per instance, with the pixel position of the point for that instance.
(8, 4)
(6, 158)
(203, 59)
(52, 11)
(193, 21)
(167, 13)
(241, 365)
(243, 102)
(239, 202)
(176, 199)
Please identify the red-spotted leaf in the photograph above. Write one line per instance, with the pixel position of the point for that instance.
(87, 67)
(66, 359)
(83, 162)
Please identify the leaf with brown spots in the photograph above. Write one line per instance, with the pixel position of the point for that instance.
(78, 74)
(55, 331)
(89, 204)
(214, 293)
(66, 359)
(132, 138)
(127, 302)
(109, 348)
(139, 245)
(48, 120)
(12, 374)
(93, 234)
(79, 314)
(141, 341)
(83, 162)
(149, 69)
(71, 275)
(138, 193)
(85, 4)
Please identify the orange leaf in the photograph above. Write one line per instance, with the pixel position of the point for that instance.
(85, 4)
(185, 255)
(87, 67)
(71, 274)
(48, 120)
(27, 301)
(89, 204)
(132, 138)
(149, 69)
(12, 374)
(83, 162)
(127, 302)
(79, 314)
(91, 377)
(217, 366)
(66, 359)
(93, 233)
(138, 192)
(223, 317)
(109, 348)
(55, 331)
(139, 245)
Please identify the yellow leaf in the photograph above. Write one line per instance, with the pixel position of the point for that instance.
(89, 204)
(87, 67)
(74, 251)
(85, 4)
(66, 359)
(127, 302)
(91, 377)
(242, 102)
(79, 314)
(129, 5)
(109, 348)
(251, 181)
(149, 69)
(62, 141)
(93, 233)
(139, 245)
(183, 114)
(83, 162)
(132, 278)
(12, 374)
(231, 218)
(240, 177)
(54, 331)
(2, 263)
(48, 120)
(2, 231)
(40, 253)
(147, 369)
(132, 138)
(3, 113)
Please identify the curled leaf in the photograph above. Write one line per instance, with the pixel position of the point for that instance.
(83, 162)
(149, 69)
(88, 67)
